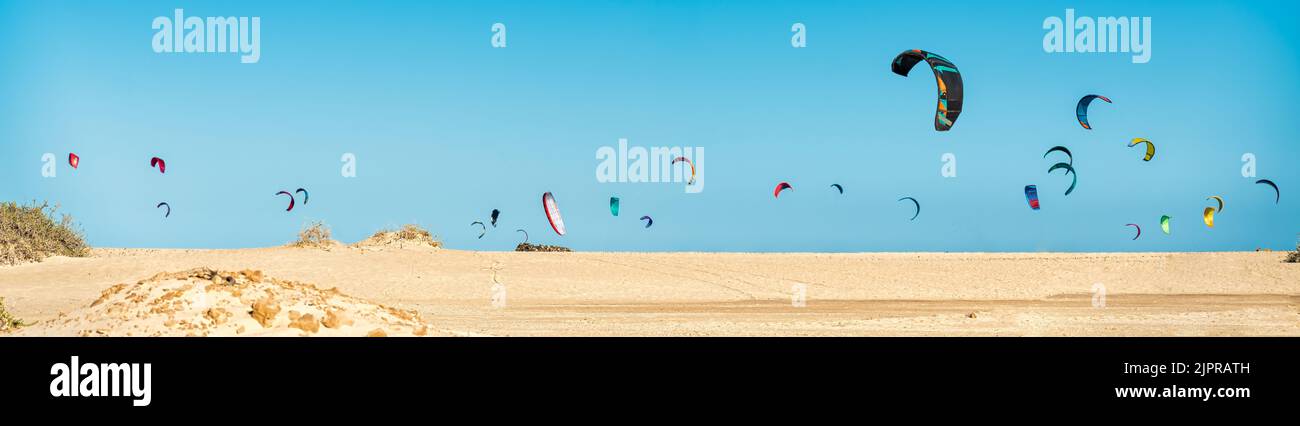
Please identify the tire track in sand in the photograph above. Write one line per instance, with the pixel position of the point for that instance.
(671, 273)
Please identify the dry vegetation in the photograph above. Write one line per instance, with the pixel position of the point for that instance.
(7, 320)
(407, 235)
(540, 247)
(30, 234)
(1294, 257)
(314, 235)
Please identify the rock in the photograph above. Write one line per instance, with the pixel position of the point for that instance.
(264, 311)
(306, 323)
(252, 275)
(217, 315)
(335, 319)
(378, 332)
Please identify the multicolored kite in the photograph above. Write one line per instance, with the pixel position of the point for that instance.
(1031, 194)
(947, 77)
(1081, 110)
(553, 213)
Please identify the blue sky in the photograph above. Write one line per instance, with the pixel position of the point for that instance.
(445, 128)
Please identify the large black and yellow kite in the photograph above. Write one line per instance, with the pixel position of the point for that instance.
(948, 78)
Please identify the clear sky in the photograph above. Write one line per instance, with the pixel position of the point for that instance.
(445, 127)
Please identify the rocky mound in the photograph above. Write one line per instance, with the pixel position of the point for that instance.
(206, 302)
(539, 247)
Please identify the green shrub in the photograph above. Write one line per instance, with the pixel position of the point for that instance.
(30, 234)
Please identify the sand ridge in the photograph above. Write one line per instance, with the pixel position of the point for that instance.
(715, 294)
(207, 302)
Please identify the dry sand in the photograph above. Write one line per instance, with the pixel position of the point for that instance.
(660, 294)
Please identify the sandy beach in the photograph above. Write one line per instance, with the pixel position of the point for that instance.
(673, 294)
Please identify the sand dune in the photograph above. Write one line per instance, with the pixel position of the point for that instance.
(205, 302)
(689, 294)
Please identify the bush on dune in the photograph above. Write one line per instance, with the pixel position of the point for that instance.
(1294, 257)
(314, 235)
(30, 234)
(412, 232)
(409, 234)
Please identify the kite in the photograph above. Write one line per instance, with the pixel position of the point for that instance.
(838, 187)
(1208, 216)
(287, 194)
(1151, 148)
(1031, 195)
(553, 213)
(691, 163)
(1219, 199)
(1164, 223)
(304, 195)
(73, 160)
(613, 205)
(918, 206)
(1139, 228)
(1068, 170)
(1081, 110)
(945, 75)
(1061, 149)
(480, 234)
(169, 208)
(495, 214)
(1278, 193)
(525, 235)
(648, 221)
(159, 163)
(783, 185)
